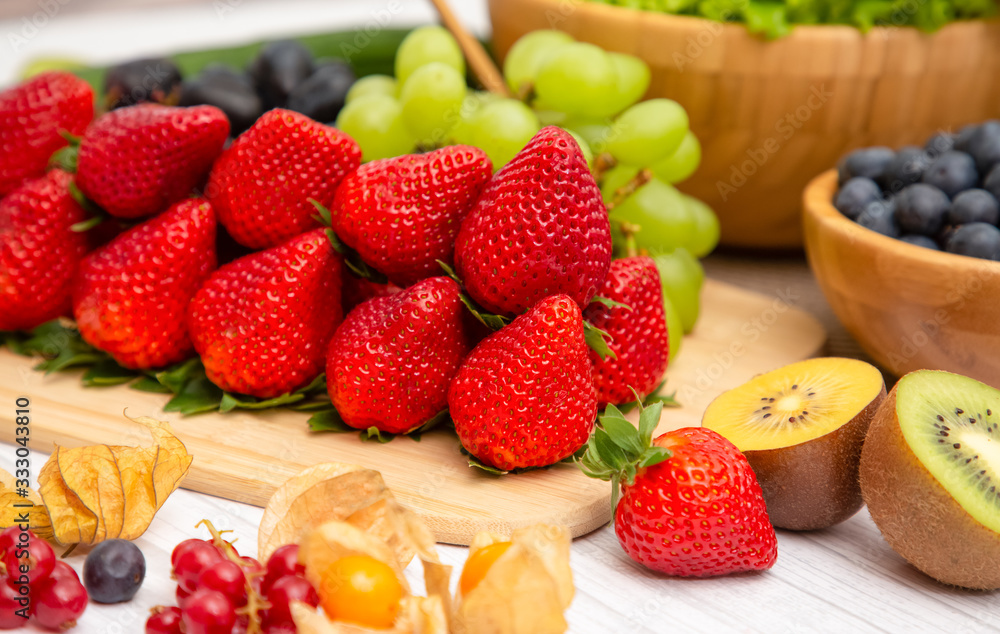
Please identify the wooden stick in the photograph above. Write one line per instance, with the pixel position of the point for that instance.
(482, 64)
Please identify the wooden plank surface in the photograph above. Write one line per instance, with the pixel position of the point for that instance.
(244, 455)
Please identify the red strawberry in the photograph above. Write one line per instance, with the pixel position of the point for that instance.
(138, 161)
(402, 214)
(262, 184)
(391, 361)
(690, 504)
(354, 290)
(540, 228)
(638, 332)
(130, 296)
(524, 397)
(39, 252)
(32, 117)
(262, 323)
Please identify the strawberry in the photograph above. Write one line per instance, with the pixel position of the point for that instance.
(402, 214)
(33, 117)
(391, 361)
(524, 397)
(261, 185)
(690, 504)
(131, 295)
(354, 290)
(39, 252)
(138, 161)
(262, 323)
(539, 229)
(638, 332)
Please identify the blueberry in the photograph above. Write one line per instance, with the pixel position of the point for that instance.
(156, 80)
(880, 217)
(868, 163)
(322, 95)
(113, 571)
(278, 69)
(921, 208)
(992, 182)
(906, 168)
(985, 146)
(952, 172)
(227, 89)
(974, 205)
(963, 139)
(855, 194)
(939, 144)
(921, 241)
(976, 239)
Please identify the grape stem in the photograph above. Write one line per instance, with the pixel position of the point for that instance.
(526, 92)
(642, 177)
(602, 164)
(628, 231)
(255, 603)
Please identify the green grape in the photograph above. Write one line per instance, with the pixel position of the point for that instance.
(426, 45)
(682, 163)
(372, 85)
(588, 155)
(502, 128)
(616, 178)
(675, 328)
(376, 123)
(633, 79)
(665, 219)
(527, 55)
(461, 132)
(595, 131)
(648, 132)
(706, 228)
(549, 117)
(578, 79)
(432, 100)
(682, 277)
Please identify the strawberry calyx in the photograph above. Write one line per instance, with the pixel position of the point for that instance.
(352, 259)
(667, 400)
(617, 450)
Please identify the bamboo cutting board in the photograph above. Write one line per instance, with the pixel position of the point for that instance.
(244, 456)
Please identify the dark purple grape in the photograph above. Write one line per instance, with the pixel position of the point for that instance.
(963, 139)
(974, 205)
(855, 194)
(906, 168)
(992, 182)
(921, 241)
(322, 95)
(113, 571)
(227, 89)
(976, 239)
(880, 217)
(939, 144)
(985, 146)
(156, 80)
(866, 163)
(952, 172)
(278, 69)
(921, 208)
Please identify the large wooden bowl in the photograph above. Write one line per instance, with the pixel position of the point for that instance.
(909, 307)
(771, 115)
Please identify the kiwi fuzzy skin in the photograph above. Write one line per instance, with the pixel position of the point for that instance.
(814, 484)
(919, 519)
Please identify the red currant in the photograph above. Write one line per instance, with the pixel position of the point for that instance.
(183, 547)
(63, 569)
(30, 561)
(283, 561)
(164, 620)
(59, 603)
(208, 612)
(279, 627)
(285, 590)
(181, 595)
(193, 561)
(226, 577)
(11, 600)
(9, 537)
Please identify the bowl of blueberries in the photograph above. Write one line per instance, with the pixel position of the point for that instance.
(904, 245)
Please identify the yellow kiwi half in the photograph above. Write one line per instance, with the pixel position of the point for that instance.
(801, 428)
(930, 474)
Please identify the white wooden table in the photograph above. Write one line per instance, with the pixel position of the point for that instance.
(844, 579)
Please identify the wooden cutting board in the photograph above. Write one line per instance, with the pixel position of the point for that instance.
(244, 456)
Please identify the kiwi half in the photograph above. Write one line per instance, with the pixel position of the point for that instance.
(801, 428)
(929, 474)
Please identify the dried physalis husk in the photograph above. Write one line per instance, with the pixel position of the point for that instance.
(18, 503)
(326, 492)
(525, 591)
(104, 492)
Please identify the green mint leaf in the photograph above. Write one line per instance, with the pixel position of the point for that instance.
(196, 397)
(107, 372)
(150, 384)
(317, 386)
(239, 401)
(177, 376)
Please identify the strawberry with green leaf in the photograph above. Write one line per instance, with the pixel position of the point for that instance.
(525, 397)
(390, 363)
(685, 504)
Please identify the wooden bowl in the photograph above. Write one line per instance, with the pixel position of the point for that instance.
(771, 115)
(909, 307)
